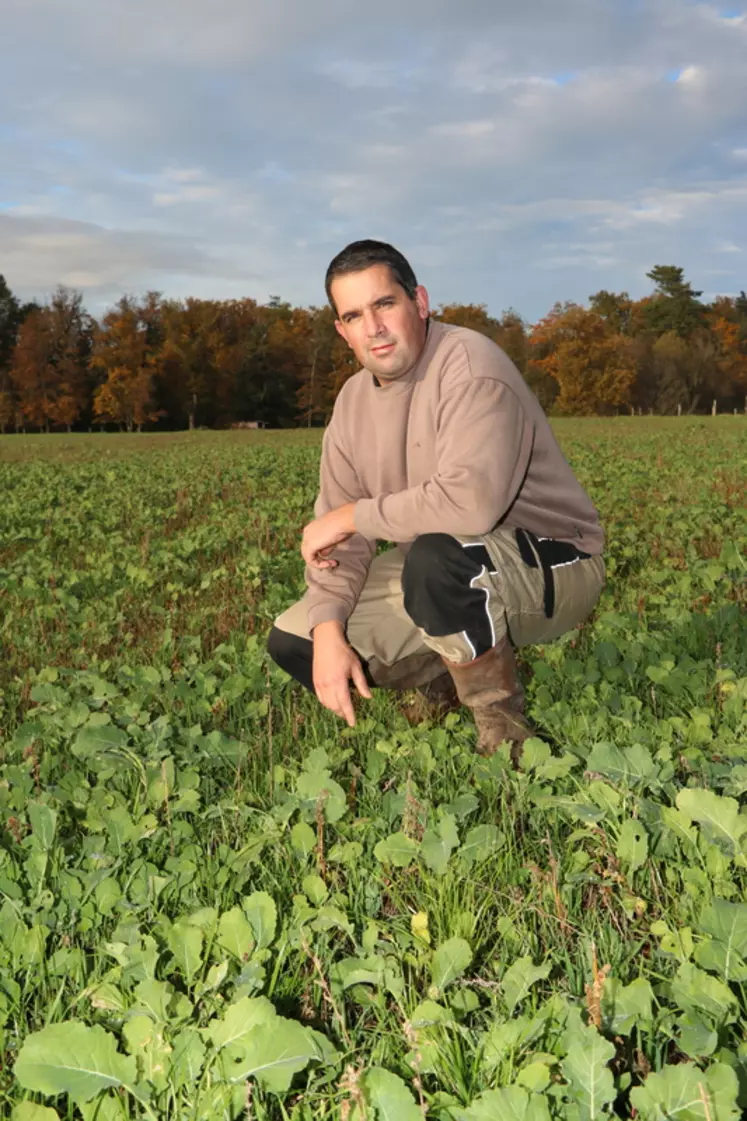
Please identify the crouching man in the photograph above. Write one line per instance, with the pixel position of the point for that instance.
(439, 446)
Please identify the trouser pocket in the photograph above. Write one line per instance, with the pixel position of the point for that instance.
(547, 554)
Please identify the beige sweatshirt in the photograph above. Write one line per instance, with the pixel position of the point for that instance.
(458, 445)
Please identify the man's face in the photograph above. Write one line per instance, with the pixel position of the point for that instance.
(379, 322)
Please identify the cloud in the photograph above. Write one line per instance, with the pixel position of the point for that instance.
(40, 252)
(519, 153)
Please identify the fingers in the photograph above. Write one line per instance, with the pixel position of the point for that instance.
(338, 700)
(318, 559)
(346, 706)
(314, 562)
(359, 679)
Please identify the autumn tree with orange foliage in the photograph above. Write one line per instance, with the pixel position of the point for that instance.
(49, 371)
(329, 364)
(191, 334)
(216, 362)
(590, 361)
(126, 353)
(728, 321)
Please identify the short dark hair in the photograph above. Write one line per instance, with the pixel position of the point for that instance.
(360, 255)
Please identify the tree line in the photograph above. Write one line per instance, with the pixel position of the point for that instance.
(156, 362)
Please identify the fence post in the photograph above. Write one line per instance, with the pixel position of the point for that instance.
(713, 407)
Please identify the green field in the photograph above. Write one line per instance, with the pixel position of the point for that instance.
(218, 902)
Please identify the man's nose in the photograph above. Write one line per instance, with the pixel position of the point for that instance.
(374, 323)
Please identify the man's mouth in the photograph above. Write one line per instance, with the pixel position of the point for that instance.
(379, 350)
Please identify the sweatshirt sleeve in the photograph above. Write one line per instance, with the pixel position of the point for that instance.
(333, 592)
(483, 447)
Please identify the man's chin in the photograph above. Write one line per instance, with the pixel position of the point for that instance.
(388, 375)
(386, 371)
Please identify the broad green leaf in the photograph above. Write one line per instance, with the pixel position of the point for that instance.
(519, 978)
(303, 839)
(315, 889)
(535, 1077)
(481, 842)
(419, 927)
(43, 823)
(28, 1111)
(106, 1107)
(557, 766)
(348, 853)
(154, 997)
(632, 844)
(504, 1039)
(695, 991)
(449, 962)
(680, 824)
(318, 788)
(677, 942)
(397, 849)
(185, 942)
(683, 1092)
(389, 1096)
(94, 741)
(357, 971)
(429, 1013)
(590, 1081)
(239, 1019)
(512, 1103)
(632, 765)
(719, 817)
(463, 1001)
(235, 934)
(439, 843)
(696, 1036)
(72, 1058)
(214, 978)
(329, 917)
(272, 1053)
(462, 806)
(534, 752)
(145, 1040)
(107, 996)
(220, 1103)
(625, 1006)
(260, 910)
(187, 1057)
(725, 953)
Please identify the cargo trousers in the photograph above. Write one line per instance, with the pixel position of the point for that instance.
(454, 598)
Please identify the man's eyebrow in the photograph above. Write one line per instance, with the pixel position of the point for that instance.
(356, 311)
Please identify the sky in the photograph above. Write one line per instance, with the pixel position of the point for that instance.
(519, 154)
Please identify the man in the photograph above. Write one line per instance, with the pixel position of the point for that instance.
(439, 446)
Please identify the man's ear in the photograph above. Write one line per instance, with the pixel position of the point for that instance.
(340, 328)
(422, 301)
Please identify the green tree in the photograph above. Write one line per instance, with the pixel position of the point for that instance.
(675, 306)
(615, 309)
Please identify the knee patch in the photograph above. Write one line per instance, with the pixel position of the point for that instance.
(436, 585)
(293, 654)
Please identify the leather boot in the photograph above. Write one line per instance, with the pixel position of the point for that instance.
(432, 701)
(435, 692)
(490, 686)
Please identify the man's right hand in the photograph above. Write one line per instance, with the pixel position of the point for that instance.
(335, 665)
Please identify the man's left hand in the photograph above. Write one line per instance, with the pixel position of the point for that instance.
(322, 535)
